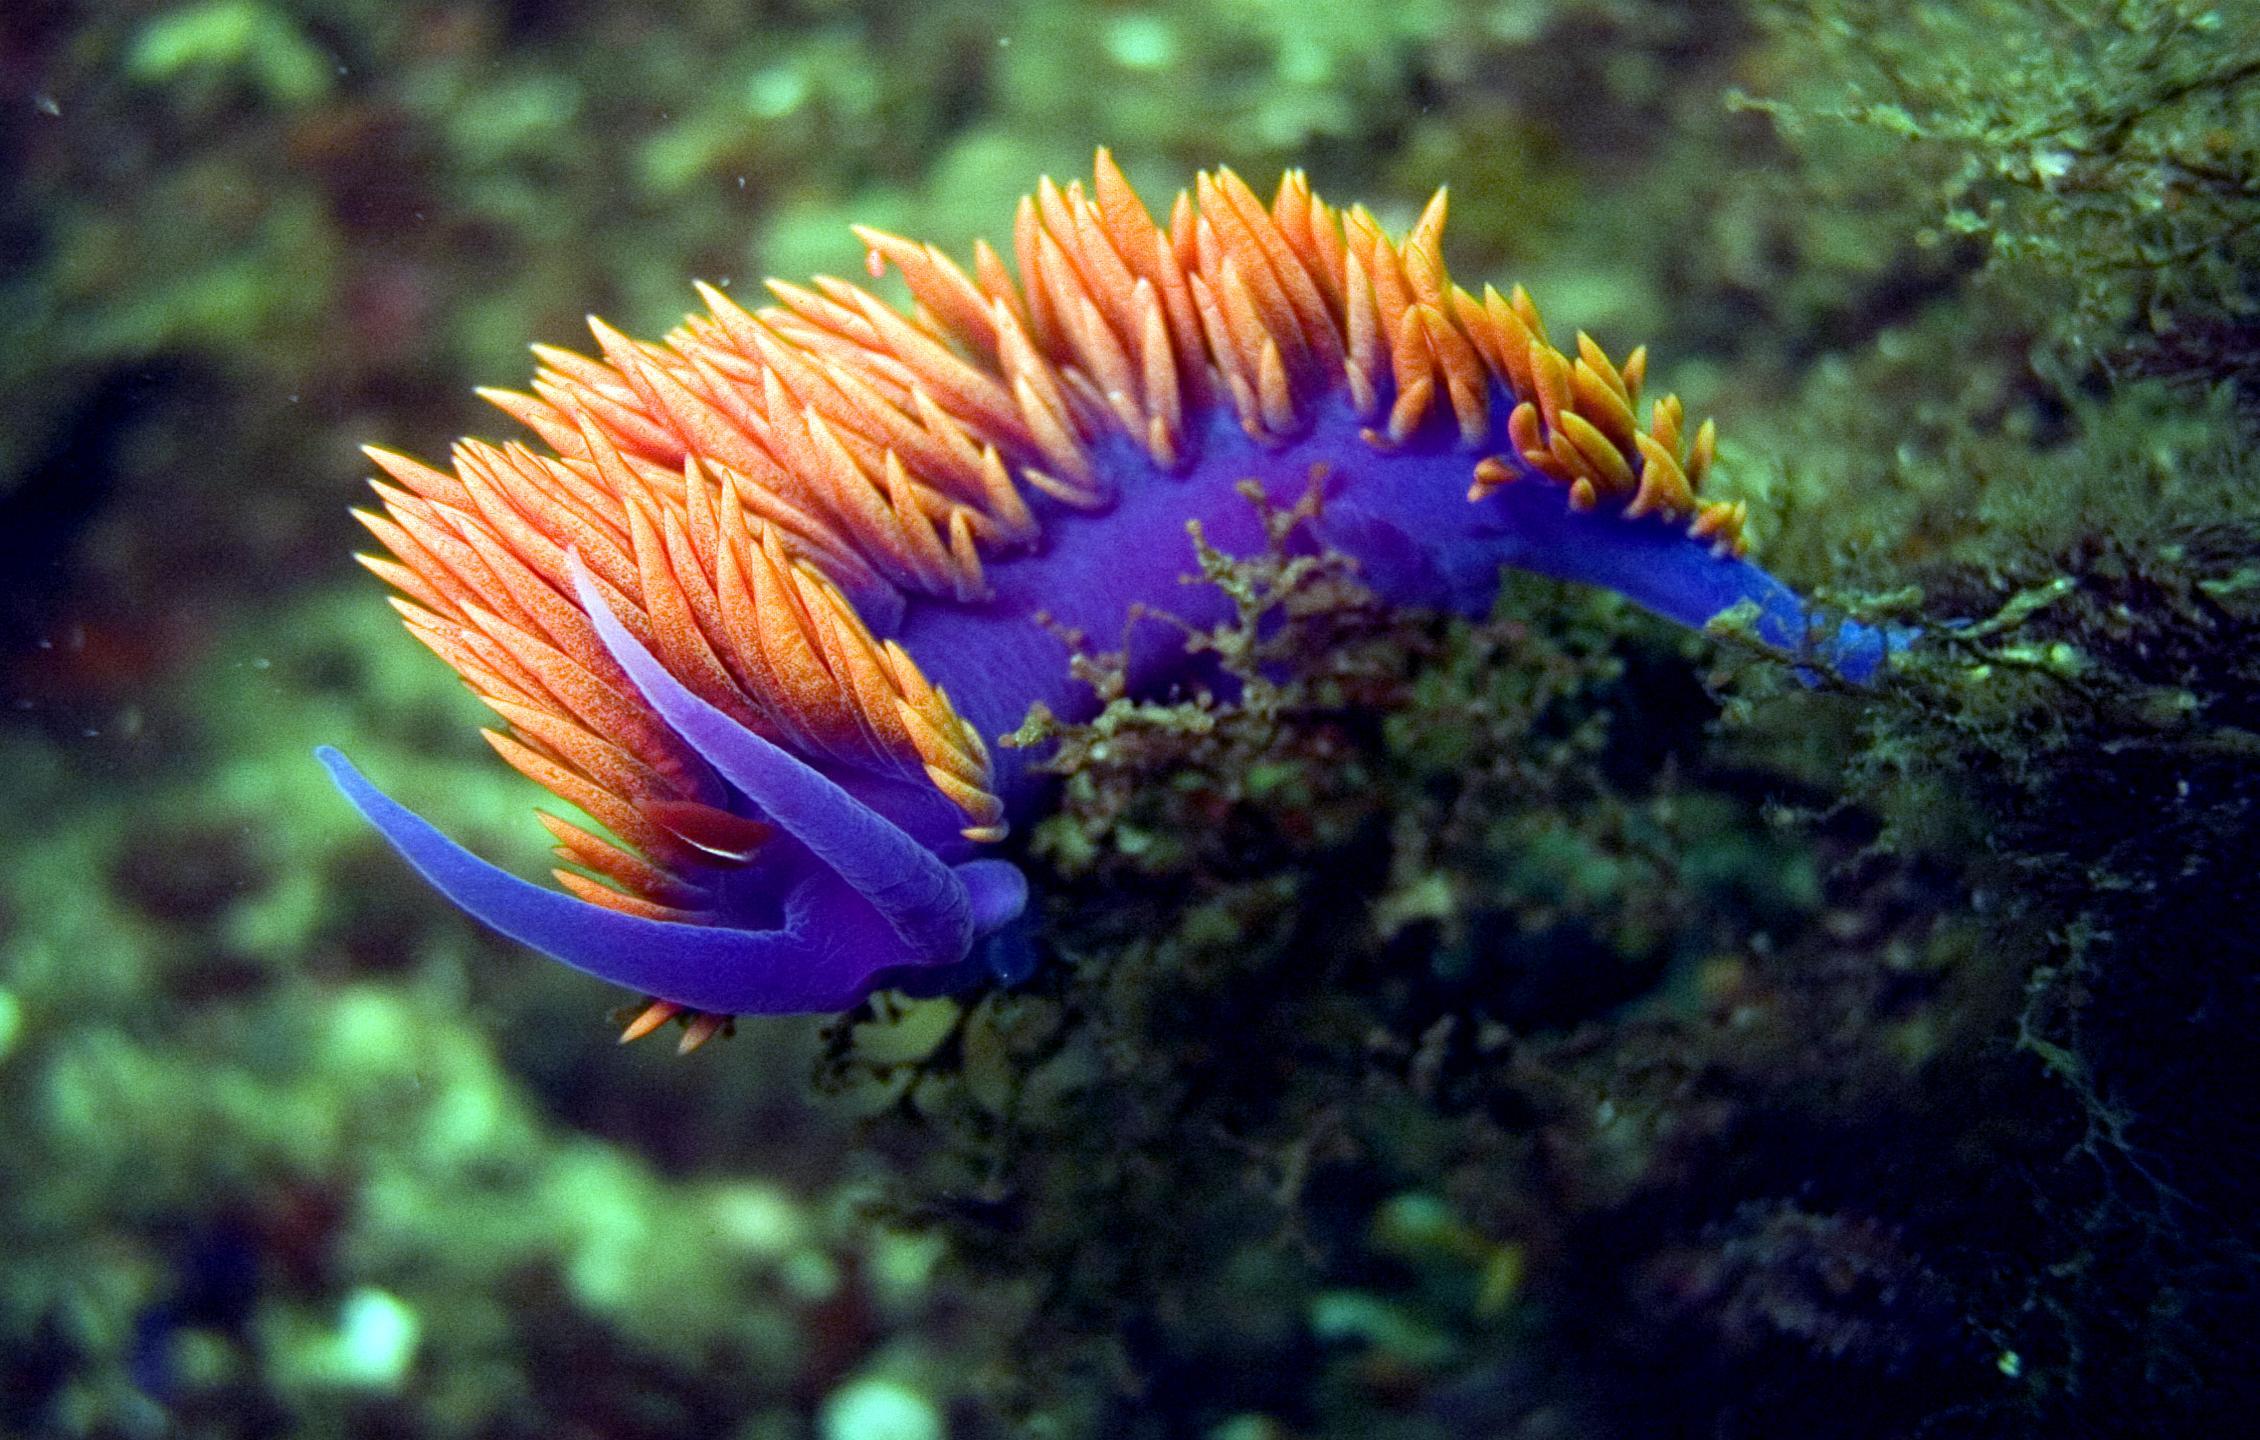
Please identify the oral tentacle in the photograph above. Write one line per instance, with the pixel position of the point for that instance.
(819, 959)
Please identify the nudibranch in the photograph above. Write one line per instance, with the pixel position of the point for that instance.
(762, 594)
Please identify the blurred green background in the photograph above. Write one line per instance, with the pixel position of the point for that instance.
(293, 1149)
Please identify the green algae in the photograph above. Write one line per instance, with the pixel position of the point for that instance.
(2099, 152)
(199, 50)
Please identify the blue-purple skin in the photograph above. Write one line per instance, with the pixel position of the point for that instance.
(869, 885)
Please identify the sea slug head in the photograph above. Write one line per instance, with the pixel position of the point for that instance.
(794, 821)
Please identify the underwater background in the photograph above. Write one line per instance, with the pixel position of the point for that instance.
(1560, 1025)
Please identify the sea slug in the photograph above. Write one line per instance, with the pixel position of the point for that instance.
(763, 593)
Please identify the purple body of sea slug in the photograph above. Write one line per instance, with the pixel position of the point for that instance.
(762, 591)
